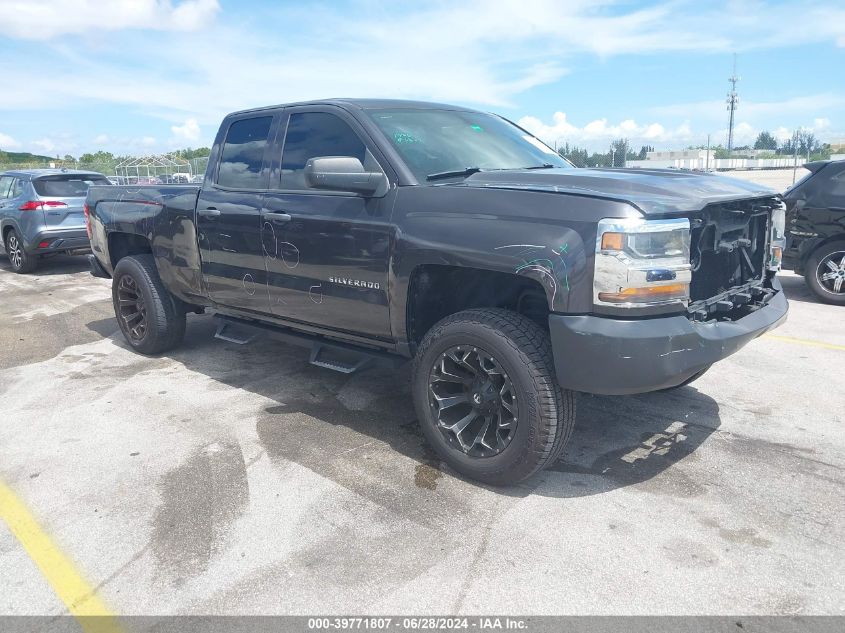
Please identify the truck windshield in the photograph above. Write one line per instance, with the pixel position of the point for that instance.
(454, 143)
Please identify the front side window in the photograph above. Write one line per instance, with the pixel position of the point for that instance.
(243, 154)
(440, 141)
(313, 134)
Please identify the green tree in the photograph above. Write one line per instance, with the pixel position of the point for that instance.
(644, 150)
(575, 155)
(766, 141)
(801, 143)
(97, 157)
(619, 152)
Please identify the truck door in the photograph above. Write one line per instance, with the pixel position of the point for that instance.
(229, 215)
(327, 253)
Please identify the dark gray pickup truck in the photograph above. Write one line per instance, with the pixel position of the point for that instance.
(389, 230)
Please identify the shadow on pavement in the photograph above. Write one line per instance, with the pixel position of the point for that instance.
(336, 425)
(796, 289)
(59, 264)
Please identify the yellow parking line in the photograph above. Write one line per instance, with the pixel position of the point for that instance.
(78, 596)
(803, 341)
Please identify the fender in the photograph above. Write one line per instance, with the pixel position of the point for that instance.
(553, 242)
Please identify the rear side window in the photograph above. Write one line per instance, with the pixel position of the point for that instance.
(17, 188)
(243, 154)
(66, 185)
(5, 185)
(312, 134)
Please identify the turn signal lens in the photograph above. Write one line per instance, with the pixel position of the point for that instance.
(777, 256)
(635, 295)
(612, 242)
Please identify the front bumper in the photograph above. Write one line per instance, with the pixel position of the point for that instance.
(617, 357)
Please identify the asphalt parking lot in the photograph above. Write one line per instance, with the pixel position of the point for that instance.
(239, 479)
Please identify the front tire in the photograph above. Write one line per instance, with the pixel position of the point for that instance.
(151, 319)
(21, 261)
(825, 273)
(487, 398)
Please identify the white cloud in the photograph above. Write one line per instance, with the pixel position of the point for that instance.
(190, 131)
(45, 145)
(715, 109)
(101, 139)
(599, 131)
(483, 52)
(45, 19)
(7, 142)
(146, 141)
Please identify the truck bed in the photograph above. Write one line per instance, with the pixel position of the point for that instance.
(164, 215)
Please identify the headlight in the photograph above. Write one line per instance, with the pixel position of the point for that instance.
(642, 262)
(778, 237)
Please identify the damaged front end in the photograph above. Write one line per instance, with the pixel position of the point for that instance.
(685, 292)
(735, 250)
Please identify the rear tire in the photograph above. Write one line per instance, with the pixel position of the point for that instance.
(21, 261)
(504, 377)
(821, 264)
(151, 319)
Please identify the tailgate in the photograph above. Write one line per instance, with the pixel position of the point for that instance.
(63, 196)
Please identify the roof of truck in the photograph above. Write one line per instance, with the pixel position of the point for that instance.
(362, 104)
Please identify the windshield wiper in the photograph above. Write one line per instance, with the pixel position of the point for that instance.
(543, 166)
(469, 171)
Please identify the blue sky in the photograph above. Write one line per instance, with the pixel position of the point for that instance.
(149, 76)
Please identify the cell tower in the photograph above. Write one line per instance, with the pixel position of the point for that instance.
(733, 102)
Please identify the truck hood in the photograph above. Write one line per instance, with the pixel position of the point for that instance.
(652, 191)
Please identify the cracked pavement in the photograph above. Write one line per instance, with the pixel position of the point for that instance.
(239, 479)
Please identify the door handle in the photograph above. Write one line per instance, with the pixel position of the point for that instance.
(209, 212)
(277, 217)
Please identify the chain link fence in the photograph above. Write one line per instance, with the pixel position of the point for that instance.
(110, 169)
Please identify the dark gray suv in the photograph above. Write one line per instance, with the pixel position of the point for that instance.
(42, 211)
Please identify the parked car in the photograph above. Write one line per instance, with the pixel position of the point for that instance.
(816, 229)
(41, 212)
(390, 230)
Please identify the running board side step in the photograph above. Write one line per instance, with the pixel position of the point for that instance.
(229, 332)
(326, 353)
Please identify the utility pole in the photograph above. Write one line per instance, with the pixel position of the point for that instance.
(794, 154)
(707, 156)
(733, 102)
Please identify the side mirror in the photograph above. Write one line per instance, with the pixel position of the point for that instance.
(343, 173)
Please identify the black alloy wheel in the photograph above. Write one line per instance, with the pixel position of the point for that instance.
(473, 401)
(131, 308)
